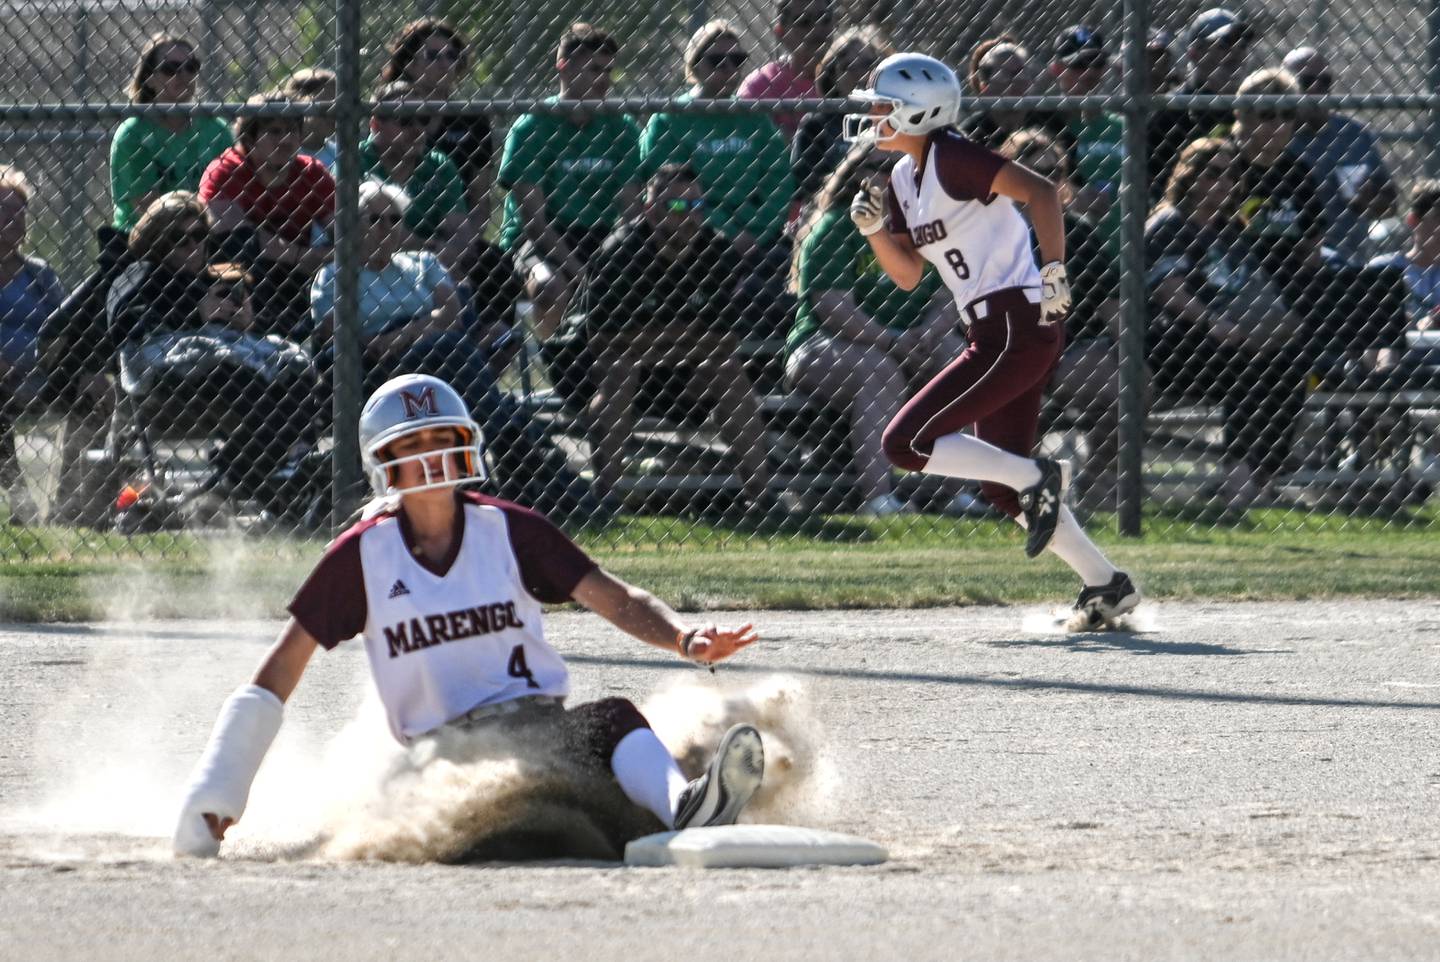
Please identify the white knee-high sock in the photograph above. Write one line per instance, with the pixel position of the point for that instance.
(962, 455)
(648, 774)
(1074, 547)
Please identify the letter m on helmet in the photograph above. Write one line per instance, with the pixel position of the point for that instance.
(421, 405)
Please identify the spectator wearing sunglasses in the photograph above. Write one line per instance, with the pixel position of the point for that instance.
(150, 156)
(434, 57)
(159, 291)
(803, 29)
(1342, 148)
(570, 177)
(398, 152)
(659, 297)
(274, 206)
(741, 159)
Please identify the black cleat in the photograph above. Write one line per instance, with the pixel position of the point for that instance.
(1041, 504)
(1098, 606)
(717, 797)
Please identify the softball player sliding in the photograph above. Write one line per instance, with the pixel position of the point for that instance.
(446, 589)
(951, 202)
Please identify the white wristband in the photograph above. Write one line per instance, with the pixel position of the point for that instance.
(220, 783)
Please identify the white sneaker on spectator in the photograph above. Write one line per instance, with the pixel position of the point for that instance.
(883, 506)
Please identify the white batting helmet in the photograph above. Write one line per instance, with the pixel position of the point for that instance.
(922, 93)
(410, 403)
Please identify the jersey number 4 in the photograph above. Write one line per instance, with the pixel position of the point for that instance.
(518, 669)
(957, 261)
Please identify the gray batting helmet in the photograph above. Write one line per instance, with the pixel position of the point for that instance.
(410, 403)
(922, 93)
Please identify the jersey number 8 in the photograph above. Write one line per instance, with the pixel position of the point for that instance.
(956, 260)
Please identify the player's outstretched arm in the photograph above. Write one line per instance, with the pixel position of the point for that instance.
(219, 787)
(637, 612)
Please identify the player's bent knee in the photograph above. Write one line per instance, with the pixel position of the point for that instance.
(897, 447)
(611, 719)
(1002, 497)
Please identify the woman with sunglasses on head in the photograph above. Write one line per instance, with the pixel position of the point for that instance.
(152, 155)
(950, 204)
(818, 147)
(1002, 67)
(741, 159)
(407, 298)
(433, 56)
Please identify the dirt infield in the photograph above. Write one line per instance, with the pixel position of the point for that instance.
(1235, 781)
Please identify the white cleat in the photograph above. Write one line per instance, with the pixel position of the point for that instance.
(718, 796)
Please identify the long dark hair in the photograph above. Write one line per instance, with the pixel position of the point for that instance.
(837, 190)
(150, 59)
(406, 46)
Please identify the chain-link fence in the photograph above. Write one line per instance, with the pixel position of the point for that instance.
(624, 234)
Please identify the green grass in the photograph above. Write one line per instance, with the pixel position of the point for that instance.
(840, 562)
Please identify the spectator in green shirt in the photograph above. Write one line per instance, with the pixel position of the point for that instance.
(570, 177)
(396, 153)
(742, 159)
(858, 340)
(150, 156)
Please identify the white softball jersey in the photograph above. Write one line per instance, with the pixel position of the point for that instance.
(445, 639)
(977, 239)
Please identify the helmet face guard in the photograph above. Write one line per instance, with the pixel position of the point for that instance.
(458, 464)
(865, 128)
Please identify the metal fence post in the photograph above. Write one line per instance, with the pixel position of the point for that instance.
(346, 373)
(1134, 201)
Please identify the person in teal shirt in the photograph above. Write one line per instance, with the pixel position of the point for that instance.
(858, 339)
(150, 156)
(569, 177)
(742, 159)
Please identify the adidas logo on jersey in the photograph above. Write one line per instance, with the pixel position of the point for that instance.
(398, 589)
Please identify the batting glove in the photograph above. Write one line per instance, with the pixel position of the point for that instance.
(1055, 296)
(867, 210)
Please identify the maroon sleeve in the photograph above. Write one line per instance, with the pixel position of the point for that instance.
(964, 168)
(894, 213)
(551, 565)
(331, 604)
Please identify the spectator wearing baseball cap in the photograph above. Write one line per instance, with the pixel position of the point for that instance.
(1162, 61)
(1343, 150)
(1217, 51)
(1079, 63)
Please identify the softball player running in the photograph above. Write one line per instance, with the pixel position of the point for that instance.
(446, 589)
(951, 202)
